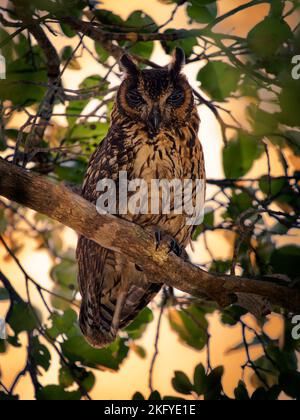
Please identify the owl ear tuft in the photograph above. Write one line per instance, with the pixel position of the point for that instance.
(177, 62)
(128, 65)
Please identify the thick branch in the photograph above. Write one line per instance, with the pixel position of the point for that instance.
(53, 71)
(135, 243)
(105, 38)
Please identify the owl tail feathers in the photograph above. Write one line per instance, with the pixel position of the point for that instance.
(101, 323)
(98, 338)
(101, 333)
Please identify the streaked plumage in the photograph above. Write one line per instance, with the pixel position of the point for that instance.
(153, 137)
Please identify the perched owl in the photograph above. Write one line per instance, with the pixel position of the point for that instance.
(153, 135)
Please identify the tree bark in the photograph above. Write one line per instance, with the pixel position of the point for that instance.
(137, 244)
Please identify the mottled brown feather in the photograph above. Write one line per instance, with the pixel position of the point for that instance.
(173, 152)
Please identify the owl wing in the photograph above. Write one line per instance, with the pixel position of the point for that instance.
(104, 275)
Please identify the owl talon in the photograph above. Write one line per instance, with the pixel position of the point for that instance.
(172, 243)
(158, 239)
(176, 248)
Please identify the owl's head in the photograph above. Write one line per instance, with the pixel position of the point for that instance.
(158, 98)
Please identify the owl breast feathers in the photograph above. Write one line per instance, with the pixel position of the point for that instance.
(153, 135)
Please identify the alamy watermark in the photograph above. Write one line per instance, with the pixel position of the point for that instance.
(2, 67)
(3, 335)
(153, 197)
(296, 329)
(296, 68)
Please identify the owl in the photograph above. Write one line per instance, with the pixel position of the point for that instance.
(153, 135)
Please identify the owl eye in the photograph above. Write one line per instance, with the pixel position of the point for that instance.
(177, 98)
(134, 98)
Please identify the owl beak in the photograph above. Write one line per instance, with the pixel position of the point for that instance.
(154, 119)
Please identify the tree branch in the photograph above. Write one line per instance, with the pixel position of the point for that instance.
(105, 38)
(136, 243)
(53, 72)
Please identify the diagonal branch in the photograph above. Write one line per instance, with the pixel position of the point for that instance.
(106, 38)
(136, 243)
(53, 71)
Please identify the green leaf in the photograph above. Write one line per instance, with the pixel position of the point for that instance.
(155, 396)
(89, 132)
(23, 70)
(4, 295)
(7, 49)
(286, 360)
(40, 354)
(65, 293)
(142, 49)
(293, 141)
(239, 203)
(240, 155)
(101, 52)
(241, 393)
(70, 33)
(273, 393)
(268, 372)
(57, 393)
(241, 346)
(290, 383)
(277, 8)
(6, 397)
(214, 384)
(136, 329)
(263, 123)
(268, 36)
(67, 53)
(186, 44)
(106, 17)
(75, 109)
(62, 324)
(209, 220)
(182, 384)
(231, 316)
(45, 5)
(202, 12)
(289, 101)
(260, 394)
(92, 82)
(280, 191)
(68, 376)
(21, 318)
(76, 349)
(285, 260)
(219, 80)
(141, 21)
(65, 274)
(88, 381)
(65, 377)
(138, 397)
(190, 325)
(220, 266)
(3, 346)
(139, 350)
(73, 171)
(274, 187)
(200, 379)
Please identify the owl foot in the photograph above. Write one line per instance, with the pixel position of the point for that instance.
(161, 238)
(176, 248)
